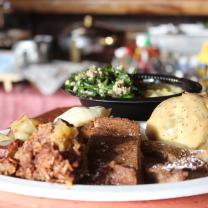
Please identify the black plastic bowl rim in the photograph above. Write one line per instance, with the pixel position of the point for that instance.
(186, 84)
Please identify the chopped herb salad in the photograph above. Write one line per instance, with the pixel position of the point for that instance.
(103, 82)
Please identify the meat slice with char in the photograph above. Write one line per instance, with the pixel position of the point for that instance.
(169, 163)
(114, 155)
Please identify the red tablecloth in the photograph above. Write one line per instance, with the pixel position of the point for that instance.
(8, 200)
(26, 100)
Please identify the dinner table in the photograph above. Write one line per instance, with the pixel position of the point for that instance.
(26, 100)
(10, 200)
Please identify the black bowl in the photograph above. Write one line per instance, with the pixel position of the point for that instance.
(141, 108)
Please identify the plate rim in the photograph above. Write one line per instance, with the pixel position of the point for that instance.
(107, 193)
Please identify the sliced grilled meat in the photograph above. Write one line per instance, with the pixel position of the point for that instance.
(168, 163)
(114, 155)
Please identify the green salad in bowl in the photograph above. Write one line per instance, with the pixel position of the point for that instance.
(103, 82)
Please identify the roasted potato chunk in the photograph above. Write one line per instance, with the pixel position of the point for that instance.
(63, 135)
(4, 139)
(23, 128)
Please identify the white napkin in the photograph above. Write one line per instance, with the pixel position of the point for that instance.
(48, 78)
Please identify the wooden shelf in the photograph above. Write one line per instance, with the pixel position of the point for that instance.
(154, 7)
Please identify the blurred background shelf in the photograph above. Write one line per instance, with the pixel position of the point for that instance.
(160, 7)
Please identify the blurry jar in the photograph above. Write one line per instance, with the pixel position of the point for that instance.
(123, 56)
(145, 52)
(26, 53)
(43, 43)
(90, 42)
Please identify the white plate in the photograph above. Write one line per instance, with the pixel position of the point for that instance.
(104, 193)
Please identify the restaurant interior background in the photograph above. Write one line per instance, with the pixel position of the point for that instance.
(42, 42)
